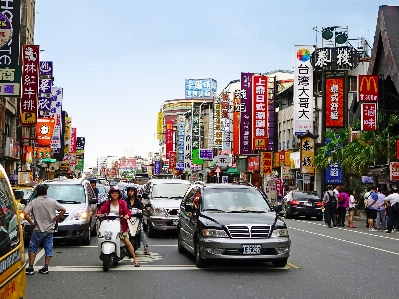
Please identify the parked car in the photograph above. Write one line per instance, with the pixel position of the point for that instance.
(79, 200)
(164, 196)
(231, 222)
(300, 203)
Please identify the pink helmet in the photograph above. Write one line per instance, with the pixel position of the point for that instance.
(115, 189)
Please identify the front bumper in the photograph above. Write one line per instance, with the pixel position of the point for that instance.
(163, 223)
(232, 248)
(75, 231)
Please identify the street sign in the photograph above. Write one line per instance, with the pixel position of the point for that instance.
(217, 170)
(222, 160)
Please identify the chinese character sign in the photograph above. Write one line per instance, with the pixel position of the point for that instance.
(157, 167)
(334, 174)
(172, 160)
(367, 88)
(236, 123)
(72, 145)
(287, 158)
(10, 80)
(260, 112)
(225, 124)
(282, 158)
(187, 146)
(394, 170)
(169, 137)
(206, 154)
(276, 159)
(335, 103)
(307, 155)
(266, 162)
(217, 117)
(46, 68)
(303, 90)
(369, 117)
(195, 131)
(160, 125)
(253, 163)
(246, 114)
(5, 29)
(11, 50)
(55, 112)
(67, 136)
(397, 149)
(270, 116)
(200, 88)
(180, 142)
(30, 83)
(337, 58)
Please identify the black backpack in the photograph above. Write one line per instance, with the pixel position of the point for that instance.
(332, 200)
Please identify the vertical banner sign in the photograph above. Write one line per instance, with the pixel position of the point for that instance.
(187, 146)
(246, 114)
(271, 112)
(169, 137)
(303, 90)
(367, 88)
(369, 117)
(287, 160)
(195, 134)
(217, 116)
(172, 160)
(46, 68)
(72, 145)
(159, 125)
(276, 159)
(30, 80)
(10, 80)
(282, 158)
(157, 167)
(397, 149)
(180, 142)
(307, 155)
(335, 105)
(44, 131)
(55, 113)
(10, 51)
(260, 112)
(334, 174)
(266, 162)
(394, 170)
(236, 123)
(226, 123)
(80, 147)
(67, 136)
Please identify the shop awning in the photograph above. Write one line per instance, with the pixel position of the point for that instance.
(233, 170)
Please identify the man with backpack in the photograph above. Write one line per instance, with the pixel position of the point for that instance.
(330, 205)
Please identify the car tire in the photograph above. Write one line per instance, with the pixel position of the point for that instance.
(86, 242)
(180, 247)
(199, 261)
(150, 230)
(280, 262)
(106, 262)
(319, 218)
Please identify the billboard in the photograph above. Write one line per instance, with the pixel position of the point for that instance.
(335, 102)
(181, 120)
(303, 90)
(334, 174)
(169, 137)
(200, 88)
(307, 155)
(10, 80)
(369, 117)
(266, 162)
(160, 125)
(44, 131)
(236, 123)
(55, 112)
(246, 114)
(367, 88)
(260, 112)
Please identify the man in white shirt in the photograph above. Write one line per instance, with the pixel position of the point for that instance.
(393, 199)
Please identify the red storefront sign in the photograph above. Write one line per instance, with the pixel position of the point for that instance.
(367, 88)
(335, 102)
(369, 117)
(253, 163)
(266, 162)
(259, 112)
(394, 170)
(30, 85)
(236, 125)
(72, 146)
(172, 160)
(44, 131)
(169, 137)
(282, 158)
(279, 186)
(397, 149)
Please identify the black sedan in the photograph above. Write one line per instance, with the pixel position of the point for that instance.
(298, 203)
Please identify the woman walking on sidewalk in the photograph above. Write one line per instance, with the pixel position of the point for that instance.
(343, 205)
(352, 207)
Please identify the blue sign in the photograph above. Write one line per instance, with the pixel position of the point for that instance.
(200, 88)
(157, 167)
(180, 142)
(206, 154)
(45, 68)
(334, 174)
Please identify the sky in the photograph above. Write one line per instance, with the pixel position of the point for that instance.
(119, 60)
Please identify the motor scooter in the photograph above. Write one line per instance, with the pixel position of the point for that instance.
(111, 248)
(135, 237)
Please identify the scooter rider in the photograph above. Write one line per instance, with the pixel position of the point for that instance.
(133, 202)
(117, 206)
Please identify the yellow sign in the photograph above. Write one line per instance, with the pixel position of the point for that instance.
(287, 160)
(266, 162)
(28, 118)
(160, 125)
(307, 155)
(67, 136)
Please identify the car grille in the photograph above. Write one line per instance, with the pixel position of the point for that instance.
(172, 212)
(65, 216)
(248, 231)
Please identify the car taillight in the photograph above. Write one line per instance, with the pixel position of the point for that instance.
(294, 202)
(319, 204)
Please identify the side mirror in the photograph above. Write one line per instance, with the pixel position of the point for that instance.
(93, 201)
(189, 208)
(23, 201)
(145, 195)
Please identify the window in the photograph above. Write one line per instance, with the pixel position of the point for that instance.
(352, 83)
(9, 233)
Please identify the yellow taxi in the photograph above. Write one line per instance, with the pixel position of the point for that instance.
(12, 256)
(22, 191)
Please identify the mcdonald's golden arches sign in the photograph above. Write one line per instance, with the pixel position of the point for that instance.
(367, 88)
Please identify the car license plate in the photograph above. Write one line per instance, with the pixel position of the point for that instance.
(251, 249)
(174, 222)
(308, 204)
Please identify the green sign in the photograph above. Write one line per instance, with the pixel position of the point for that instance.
(10, 80)
(195, 157)
(48, 160)
(80, 164)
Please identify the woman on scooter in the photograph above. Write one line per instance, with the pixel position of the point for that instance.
(133, 202)
(117, 206)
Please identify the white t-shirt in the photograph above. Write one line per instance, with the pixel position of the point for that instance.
(393, 198)
(114, 209)
(351, 201)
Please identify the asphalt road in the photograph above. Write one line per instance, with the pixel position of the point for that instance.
(324, 263)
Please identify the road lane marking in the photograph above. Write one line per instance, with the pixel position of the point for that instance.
(351, 242)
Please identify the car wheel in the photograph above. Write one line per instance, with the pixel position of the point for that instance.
(180, 247)
(106, 262)
(86, 242)
(150, 231)
(280, 262)
(199, 261)
(319, 218)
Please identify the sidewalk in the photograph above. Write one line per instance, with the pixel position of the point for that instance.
(360, 216)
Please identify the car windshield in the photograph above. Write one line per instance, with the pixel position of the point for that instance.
(234, 200)
(175, 191)
(65, 193)
(26, 192)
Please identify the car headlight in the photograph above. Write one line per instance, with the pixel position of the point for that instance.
(279, 232)
(81, 215)
(217, 233)
(157, 211)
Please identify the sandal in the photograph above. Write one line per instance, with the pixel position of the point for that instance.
(147, 252)
(137, 265)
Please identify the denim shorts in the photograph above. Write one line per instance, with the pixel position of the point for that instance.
(37, 238)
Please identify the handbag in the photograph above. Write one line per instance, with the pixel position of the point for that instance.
(133, 225)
